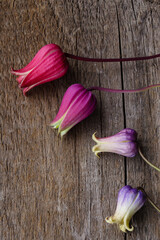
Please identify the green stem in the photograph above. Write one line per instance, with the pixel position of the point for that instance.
(149, 200)
(152, 203)
(158, 169)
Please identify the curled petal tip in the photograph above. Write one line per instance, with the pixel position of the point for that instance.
(94, 149)
(109, 220)
(96, 153)
(94, 137)
(128, 228)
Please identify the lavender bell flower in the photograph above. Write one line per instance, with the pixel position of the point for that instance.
(130, 200)
(123, 143)
(77, 104)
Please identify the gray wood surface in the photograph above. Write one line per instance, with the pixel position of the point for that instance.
(53, 189)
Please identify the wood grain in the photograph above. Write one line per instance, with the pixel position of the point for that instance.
(53, 189)
(139, 33)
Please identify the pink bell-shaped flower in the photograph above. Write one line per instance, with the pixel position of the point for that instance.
(48, 64)
(77, 104)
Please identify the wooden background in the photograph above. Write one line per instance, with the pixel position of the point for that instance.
(53, 189)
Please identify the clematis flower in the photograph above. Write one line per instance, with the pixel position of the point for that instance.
(77, 104)
(123, 143)
(48, 64)
(130, 200)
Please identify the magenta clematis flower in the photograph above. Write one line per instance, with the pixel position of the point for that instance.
(48, 64)
(77, 104)
(130, 200)
(123, 143)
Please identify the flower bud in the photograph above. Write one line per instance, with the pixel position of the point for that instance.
(123, 143)
(77, 104)
(130, 200)
(48, 64)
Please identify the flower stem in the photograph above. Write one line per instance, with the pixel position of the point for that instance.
(123, 91)
(158, 169)
(152, 203)
(68, 55)
(149, 200)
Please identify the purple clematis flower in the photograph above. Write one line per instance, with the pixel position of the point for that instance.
(130, 200)
(48, 64)
(123, 143)
(77, 104)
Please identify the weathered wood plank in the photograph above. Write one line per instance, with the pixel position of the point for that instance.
(53, 189)
(139, 30)
(100, 178)
(57, 189)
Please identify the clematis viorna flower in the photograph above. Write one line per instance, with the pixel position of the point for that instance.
(48, 64)
(123, 143)
(130, 200)
(77, 104)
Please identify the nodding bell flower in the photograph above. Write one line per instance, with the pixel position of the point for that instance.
(77, 104)
(48, 64)
(130, 200)
(123, 143)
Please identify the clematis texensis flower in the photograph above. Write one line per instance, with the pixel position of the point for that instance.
(123, 143)
(130, 200)
(77, 104)
(48, 64)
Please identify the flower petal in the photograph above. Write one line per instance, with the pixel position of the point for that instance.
(77, 104)
(43, 52)
(123, 143)
(126, 200)
(72, 92)
(135, 206)
(80, 109)
(50, 68)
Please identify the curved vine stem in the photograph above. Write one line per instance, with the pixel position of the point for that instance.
(86, 59)
(123, 91)
(145, 159)
(149, 200)
(152, 203)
